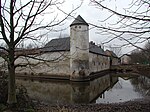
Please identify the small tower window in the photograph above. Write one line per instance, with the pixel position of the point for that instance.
(75, 26)
(79, 26)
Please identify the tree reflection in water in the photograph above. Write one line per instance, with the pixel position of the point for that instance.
(127, 88)
(142, 85)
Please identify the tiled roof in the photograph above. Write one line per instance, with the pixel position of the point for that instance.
(59, 44)
(63, 44)
(96, 49)
(79, 21)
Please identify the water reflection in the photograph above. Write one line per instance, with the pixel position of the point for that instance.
(127, 89)
(142, 85)
(108, 88)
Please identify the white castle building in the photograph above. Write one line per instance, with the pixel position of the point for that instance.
(73, 57)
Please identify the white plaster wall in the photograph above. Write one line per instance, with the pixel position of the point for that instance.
(79, 42)
(57, 63)
(60, 64)
(79, 48)
(98, 62)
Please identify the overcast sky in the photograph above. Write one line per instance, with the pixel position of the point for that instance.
(92, 14)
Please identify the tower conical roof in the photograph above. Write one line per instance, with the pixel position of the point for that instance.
(79, 21)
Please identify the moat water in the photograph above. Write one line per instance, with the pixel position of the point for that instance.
(106, 89)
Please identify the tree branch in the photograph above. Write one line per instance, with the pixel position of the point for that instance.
(119, 14)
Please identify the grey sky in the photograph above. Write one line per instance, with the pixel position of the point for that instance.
(94, 15)
(91, 14)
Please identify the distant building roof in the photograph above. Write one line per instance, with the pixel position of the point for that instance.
(63, 44)
(125, 55)
(79, 21)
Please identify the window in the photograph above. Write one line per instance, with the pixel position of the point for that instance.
(75, 26)
(79, 26)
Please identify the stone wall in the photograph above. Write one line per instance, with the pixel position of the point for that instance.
(57, 63)
(79, 49)
(98, 62)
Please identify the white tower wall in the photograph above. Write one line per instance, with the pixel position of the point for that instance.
(79, 50)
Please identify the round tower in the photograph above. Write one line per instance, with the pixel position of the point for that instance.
(79, 48)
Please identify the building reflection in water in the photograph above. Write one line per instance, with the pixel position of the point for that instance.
(105, 89)
(68, 92)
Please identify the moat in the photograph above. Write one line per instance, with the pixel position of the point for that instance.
(111, 88)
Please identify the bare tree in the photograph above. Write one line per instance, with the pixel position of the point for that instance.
(132, 25)
(140, 56)
(20, 21)
(147, 53)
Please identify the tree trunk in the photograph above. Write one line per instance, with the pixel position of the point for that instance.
(11, 79)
